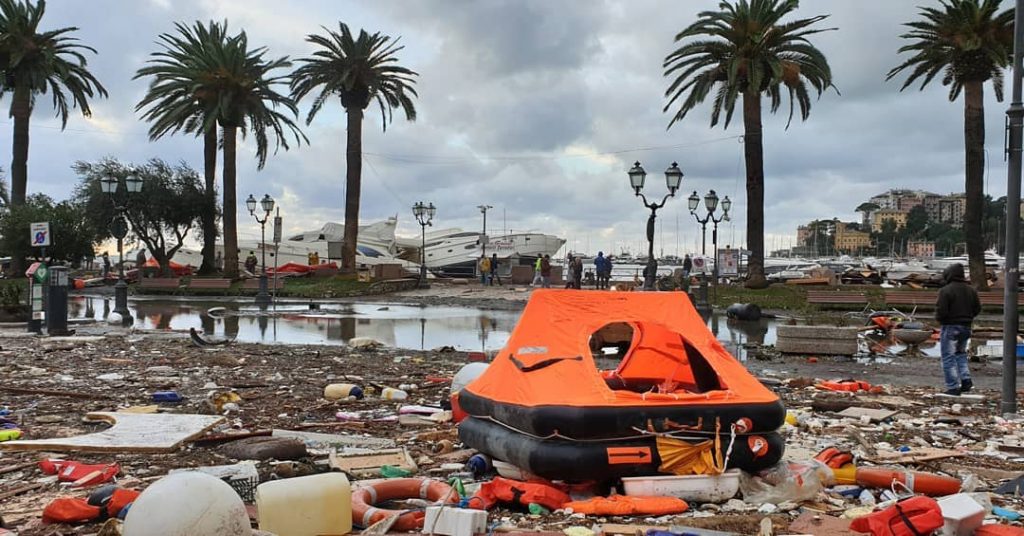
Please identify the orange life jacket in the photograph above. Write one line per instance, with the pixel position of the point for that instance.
(503, 490)
(915, 516)
(844, 385)
(622, 505)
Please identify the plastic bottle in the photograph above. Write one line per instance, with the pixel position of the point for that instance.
(338, 391)
(167, 397)
(10, 435)
(478, 464)
(538, 510)
(306, 505)
(390, 393)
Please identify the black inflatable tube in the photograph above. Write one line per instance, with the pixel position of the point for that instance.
(596, 422)
(574, 461)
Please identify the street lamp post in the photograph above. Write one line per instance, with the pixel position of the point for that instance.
(711, 205)
(425, 216)
(483, 237)
(111, 185)
(673, 178)
(267, 204)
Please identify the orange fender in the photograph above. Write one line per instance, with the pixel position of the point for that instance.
(916, 481)
(365, 513)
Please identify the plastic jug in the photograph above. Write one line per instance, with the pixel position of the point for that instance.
(338, 391)
(306, 506)
(390, 393)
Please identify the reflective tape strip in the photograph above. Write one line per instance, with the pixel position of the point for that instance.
(423, 488)
(373, 495)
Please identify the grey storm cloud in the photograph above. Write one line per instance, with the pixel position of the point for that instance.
(538, 108)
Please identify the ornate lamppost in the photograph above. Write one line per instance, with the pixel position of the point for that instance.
(267, 204)
(120, 197)
(425, 216)
(673, 178)
(711, 205)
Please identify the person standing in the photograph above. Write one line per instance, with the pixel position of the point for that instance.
(599, 268)
(687, 265)
(140, 262)
(537, 277)
(570, 269)
(106, 264)
(484, 265)
(218, 263)
(250, 262)
(545, 271)
(494, 269)
(955, 309)
(578, 272)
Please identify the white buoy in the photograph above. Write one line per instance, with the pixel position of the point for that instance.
(114, 319)
(187, 504)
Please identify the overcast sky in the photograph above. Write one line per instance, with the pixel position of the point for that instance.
(537, 108)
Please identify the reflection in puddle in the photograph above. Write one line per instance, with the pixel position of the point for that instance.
(400, 326)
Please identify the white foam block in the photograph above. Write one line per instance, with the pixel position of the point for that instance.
(455, 521)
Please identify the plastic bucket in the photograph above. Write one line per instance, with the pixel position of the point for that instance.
(695, 488)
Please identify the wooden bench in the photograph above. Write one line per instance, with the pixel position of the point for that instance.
(836, 297)
(916, 298)
(253, 283)
(164, 284)
(995, 299)
(197, 283)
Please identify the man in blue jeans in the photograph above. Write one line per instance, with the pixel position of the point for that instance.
(955, 310)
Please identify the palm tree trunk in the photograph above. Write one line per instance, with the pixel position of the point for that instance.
(353, 181)
(753, 154)
(21, 110)
(209, 220)
(230, 222)
(974, 183)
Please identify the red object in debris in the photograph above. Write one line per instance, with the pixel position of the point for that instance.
(503, 490)
(916, 481)
(621, 505)
(998, 530)
(477, 357)
(119, 499)
(844, 385)
(177, 269)
(909, 517)
(812, 359)
(70, 510)
(72, 471)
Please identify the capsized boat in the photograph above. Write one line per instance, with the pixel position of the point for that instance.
(544, 406)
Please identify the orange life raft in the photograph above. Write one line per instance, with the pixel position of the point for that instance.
(364, 513)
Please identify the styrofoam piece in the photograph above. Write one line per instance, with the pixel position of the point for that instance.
(963, 515)
(454, 521)
(507, 470)
(695, 488)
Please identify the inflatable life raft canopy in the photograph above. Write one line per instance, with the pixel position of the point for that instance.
(673, 358)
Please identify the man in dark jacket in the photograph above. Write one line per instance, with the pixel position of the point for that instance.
(955, 310)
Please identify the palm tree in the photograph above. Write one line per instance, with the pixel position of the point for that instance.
(970, 42)
(231, 86)
(34, 62)
(359, 71)
(745, 50)
(178, 101)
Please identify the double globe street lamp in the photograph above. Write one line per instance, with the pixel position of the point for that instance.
(711, 205)
(425, 216)
(673, 178)
(267, 204)
(120, 197)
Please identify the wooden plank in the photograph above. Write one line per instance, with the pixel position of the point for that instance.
(51, 392)
(130, 432)
(821, 525)
(21, 489)
(875, 415)
(918, 455)
(372, 462)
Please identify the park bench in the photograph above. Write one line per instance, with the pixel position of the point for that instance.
(916, 298)
(208, 284)
(160, 284)
(995, 299)
(836, 297)
(253, 283)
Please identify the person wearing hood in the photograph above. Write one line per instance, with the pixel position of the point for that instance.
(955, 310)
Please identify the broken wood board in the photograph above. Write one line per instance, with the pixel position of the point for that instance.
(821, 525)
(892, 400)
(874, 415)
(988, 473)
(130, 432)
(924, 454)
(315, 440)
(370, 463)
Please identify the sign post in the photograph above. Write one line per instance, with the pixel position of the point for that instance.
(39, 237)
(277, 241)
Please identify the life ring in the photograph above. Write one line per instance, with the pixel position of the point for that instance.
(363, 500)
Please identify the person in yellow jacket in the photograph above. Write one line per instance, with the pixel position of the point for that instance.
(484, 265)
(537, 279)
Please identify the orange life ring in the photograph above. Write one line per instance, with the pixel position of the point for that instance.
(916, 481)
(363, 500)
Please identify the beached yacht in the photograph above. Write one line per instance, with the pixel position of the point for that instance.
(455, 252)
(993, 261)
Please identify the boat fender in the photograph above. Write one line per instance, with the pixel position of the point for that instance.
(758, 446)
(744, 425)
